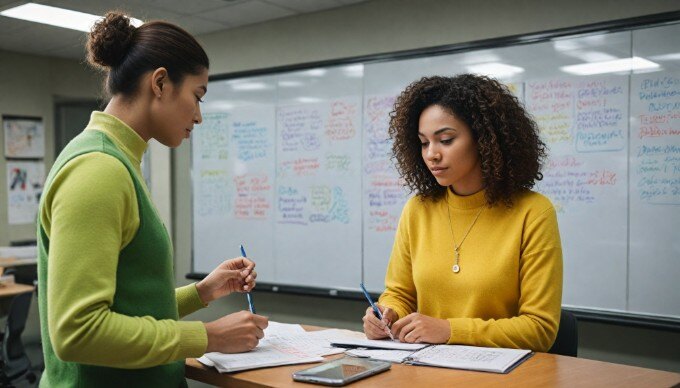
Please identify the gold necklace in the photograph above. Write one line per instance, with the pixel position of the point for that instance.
(456, 247)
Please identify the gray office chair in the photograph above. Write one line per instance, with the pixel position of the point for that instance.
(15, 362)
(566, 343)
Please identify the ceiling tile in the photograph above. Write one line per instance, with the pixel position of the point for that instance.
(10, 25)
(197, 25)
(185, 7)
(246, 13)
(197, 17)
(303, 6)
(40, 38)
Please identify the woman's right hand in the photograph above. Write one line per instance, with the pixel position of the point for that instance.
(375, 328)
(235, 333)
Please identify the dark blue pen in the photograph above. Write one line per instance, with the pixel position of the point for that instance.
(376, 310)
(250, 298)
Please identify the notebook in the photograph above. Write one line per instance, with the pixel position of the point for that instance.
(495, 360)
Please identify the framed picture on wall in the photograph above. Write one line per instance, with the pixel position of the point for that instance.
(24, 137)
(24, 188)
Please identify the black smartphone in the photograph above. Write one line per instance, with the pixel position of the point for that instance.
(341, 371)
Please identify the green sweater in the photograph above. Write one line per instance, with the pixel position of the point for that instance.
(108, 312)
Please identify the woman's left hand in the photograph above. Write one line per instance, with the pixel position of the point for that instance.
(234, 275)
(419, 328)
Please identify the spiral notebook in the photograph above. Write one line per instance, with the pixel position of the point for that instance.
(495, 360)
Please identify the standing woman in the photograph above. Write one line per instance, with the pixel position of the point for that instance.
(477, 258)
(109, 311)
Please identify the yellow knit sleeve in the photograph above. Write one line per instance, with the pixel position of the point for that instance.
(535, 326)
(400, 291)
(88, 209)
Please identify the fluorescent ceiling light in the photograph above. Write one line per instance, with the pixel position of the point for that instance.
(353, 71)
(316, 72)
(218, 106)
(57, 16)
(246, 86)
(290, 84)
(615, 66)
(495, 69)
(308, 100)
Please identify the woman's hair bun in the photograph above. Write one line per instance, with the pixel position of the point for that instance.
(110, 40)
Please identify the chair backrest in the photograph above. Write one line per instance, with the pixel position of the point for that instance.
(12, 347)
(566, 343)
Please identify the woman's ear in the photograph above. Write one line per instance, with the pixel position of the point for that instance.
(159, 78)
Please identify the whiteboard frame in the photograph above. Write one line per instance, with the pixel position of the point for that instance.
(616, 317)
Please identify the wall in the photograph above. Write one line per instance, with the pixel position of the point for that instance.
(29, 86)
(385, 26)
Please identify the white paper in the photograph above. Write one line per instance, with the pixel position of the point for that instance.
(396, 356)
(278, 329)
(380, 344)
(469, 357)
(264, 355)
(283, 344)
(206, 361)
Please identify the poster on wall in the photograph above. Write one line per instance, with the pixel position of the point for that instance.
(24, 137)
(24, 187)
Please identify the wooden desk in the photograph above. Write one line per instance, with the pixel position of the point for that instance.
(541, 370)
(15, 262)
(14, 289)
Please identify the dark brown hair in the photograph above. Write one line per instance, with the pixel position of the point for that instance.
(510, 150)
(127, 52)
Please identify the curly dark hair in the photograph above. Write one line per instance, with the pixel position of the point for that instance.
(510, 150)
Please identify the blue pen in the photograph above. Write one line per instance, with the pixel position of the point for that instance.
(250, 298)
(376, 310)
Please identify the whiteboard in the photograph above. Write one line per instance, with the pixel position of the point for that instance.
(296, 165)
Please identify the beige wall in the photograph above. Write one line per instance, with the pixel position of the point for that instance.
(28, 86)
(385, 26)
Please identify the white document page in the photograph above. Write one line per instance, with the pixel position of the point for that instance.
(378, 344)
(396, 356)
(264, 355)
(496, 360)
(278, 329)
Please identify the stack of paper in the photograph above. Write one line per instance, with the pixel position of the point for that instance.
(283, 344)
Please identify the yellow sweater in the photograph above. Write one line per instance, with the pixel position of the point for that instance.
(509, 289)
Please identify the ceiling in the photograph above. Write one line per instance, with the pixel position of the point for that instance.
(196, 16)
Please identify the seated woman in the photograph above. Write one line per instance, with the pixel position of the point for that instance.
(477, 258)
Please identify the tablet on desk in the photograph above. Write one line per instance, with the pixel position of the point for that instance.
(341, 371)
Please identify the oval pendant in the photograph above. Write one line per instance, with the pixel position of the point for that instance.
(456, 268)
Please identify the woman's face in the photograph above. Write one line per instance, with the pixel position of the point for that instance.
(450, 150)
(181, 109)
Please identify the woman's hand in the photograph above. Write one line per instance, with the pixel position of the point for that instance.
(235, 333)
(419, 328)
(375, 328)
(234, 275)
